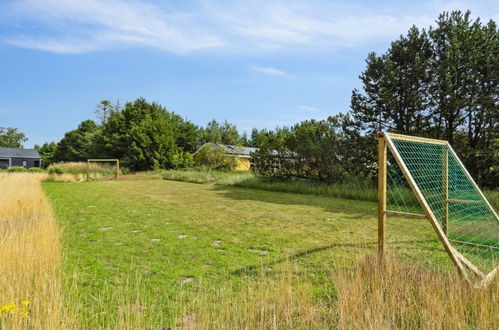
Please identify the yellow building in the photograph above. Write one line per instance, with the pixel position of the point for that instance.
(242, 154)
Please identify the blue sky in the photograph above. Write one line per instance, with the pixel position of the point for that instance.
(255, 63)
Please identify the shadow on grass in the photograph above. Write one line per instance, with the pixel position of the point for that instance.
(356, 208)
(408, 245)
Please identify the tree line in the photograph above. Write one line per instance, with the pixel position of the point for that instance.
(142, 135)
(440, 83)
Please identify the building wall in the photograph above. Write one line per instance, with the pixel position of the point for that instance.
(4, 163)
(243, 164)
(30, 162)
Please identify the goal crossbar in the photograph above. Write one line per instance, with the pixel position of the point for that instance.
(463, 219)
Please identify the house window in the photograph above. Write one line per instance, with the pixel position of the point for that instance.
(36, 163)
(25, 163)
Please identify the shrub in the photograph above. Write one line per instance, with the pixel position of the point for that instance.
(20, 169)
(55, 170)
(215, 158)
(319, 150)
(181, 159)
(16, 169)
(81, 168)
(36, 170)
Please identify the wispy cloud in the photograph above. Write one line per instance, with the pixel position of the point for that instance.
(78, 26)
(269, 71)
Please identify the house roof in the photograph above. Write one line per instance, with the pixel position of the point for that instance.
(232, 150)
(18, 153)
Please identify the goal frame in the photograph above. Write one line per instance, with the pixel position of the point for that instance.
(385, 144)
(116, 175)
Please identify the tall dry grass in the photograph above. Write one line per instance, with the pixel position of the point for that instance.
(30, 256)
(392, 295)
(104, 168)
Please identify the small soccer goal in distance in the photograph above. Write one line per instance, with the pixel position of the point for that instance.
(103, 169)
(424, 178)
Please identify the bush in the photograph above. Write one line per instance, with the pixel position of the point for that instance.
(55, 170)
(20, 169)
(180, 159)
(16, 169)
(76, 168)
(214, 157)
(318, 150)
(36, 170)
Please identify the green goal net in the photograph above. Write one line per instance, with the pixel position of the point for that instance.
(426, 179)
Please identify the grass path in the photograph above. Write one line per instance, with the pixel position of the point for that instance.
(152, 244)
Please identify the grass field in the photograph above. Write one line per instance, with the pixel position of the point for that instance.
(357, 189)
(154, 249)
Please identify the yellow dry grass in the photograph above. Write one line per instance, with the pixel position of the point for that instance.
(30, 256)
(370, 296)
(81, 167)
(392, 295)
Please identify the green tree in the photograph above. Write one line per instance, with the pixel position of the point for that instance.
(323, 150)
(47, 153)
(396, 94)
(440, 84)
(258, 137)
(225, 133)
(146, 136)
(465, 72)
(105, 109)
(214, 157)
(78, 144)
(11, 137)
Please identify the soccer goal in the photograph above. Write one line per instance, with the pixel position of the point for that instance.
(424, 178)
(103, 169)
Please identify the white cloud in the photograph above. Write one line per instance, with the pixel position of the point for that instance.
(269, 71)
(78, 26)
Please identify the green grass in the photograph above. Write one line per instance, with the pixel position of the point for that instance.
(355, 189)
(493, 198)
(205, 176)
(157, 245)
(352, 190)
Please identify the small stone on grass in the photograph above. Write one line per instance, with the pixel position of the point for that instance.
(187, 279)
(182, 236)
(105, 228)
(260, 252)
(154, 239)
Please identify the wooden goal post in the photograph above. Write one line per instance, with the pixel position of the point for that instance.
(464, 221)
(116, 174)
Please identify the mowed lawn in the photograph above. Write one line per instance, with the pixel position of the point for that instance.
(154, 245)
